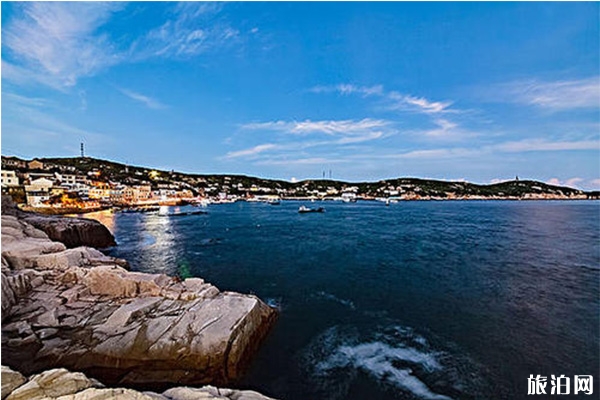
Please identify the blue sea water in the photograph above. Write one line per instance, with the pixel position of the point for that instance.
(418, 300)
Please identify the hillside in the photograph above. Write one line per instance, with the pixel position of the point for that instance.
(240, 184)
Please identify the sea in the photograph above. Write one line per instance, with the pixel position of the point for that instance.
(415, 300)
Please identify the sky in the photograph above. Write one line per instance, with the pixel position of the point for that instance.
(365, 91)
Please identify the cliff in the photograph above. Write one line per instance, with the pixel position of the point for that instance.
(79, 309)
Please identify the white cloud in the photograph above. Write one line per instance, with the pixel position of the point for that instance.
(57, 43)
(445, 130)
(544, 145)
(556, 96)
(554, 182)
(147, 101)
(407, 102)
(299, 161)
(332, 134)
(328, 127)
(191, 31)
(529, 145)
(347, 89)
(572, 182)
(394, 100)
(251, 151)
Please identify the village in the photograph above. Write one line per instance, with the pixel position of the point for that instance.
(85, 184)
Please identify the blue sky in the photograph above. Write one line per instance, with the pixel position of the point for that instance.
(473, 91)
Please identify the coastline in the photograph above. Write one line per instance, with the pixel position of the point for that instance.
(76, 308)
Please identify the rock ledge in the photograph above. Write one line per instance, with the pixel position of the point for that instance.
(79, 309)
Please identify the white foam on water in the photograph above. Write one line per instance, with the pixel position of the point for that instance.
(338, 355)
(334, 298)
(377, 358)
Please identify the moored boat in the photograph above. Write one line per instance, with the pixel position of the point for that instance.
(304, 209)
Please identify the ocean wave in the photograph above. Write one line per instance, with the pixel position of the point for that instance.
(276, 303)
(334, 298)
(395, 357)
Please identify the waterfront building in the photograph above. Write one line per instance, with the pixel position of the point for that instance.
(38, 192)
(9, 179)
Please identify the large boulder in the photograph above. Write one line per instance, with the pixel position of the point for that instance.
(72, 232)
(78, 309)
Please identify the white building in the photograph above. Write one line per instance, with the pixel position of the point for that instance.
(9, 178)
(38, 191)
(349, 197)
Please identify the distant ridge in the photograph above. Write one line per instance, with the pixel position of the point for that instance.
(410, 188)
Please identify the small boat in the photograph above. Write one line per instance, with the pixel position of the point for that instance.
(273, 202)
(304, 209)
(182, 213)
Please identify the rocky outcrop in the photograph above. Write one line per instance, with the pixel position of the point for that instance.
(72, 232)
(79, 309)
(64, 385)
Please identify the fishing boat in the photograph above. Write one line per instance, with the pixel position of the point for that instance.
(304, 210)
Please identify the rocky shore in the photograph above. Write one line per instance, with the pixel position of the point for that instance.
(61, 384)
(76, 308)
(72, 232)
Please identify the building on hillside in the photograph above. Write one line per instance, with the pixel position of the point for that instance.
(71, 180)
(35, 164)
(32, 176)
(38, 192)
(9, 179)
(13, 162)
(100, 191)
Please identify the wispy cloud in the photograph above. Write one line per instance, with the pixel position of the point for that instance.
(527, 145)
(191, 30)
(300, 161)
(444, 130)
(572, 182)
(251, 151)
(554, 96)
(57, 43)
(522, 146)
(147, 101)
(393, 100)
(347, 89)
(328, 127)
(405, 102)
(324, 134)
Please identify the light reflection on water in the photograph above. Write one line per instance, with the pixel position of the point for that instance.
(493, 291)
(105, 217)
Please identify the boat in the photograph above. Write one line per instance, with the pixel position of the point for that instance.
(304, 210)
(274, 202)
(183, 213)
